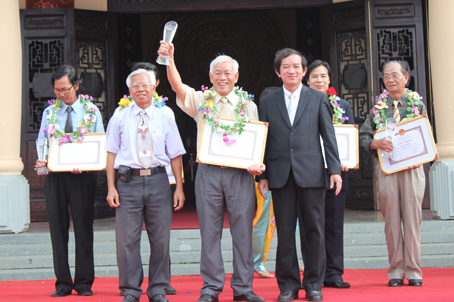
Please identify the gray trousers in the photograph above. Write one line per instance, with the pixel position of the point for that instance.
(216, 188)
(144, 198)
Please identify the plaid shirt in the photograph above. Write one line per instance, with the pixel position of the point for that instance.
(366, 133)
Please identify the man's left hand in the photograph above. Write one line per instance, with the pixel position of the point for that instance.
(76, 171)
(178, 199)
(336, 178)
(256, 169)
(413, 167)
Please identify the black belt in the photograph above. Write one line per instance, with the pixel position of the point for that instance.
(147, 172)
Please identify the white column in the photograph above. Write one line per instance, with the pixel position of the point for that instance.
(440, 47)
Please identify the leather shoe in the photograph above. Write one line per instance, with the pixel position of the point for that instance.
(170, 291)
(130, 298)
(249, 296)
(314, 295)
(287, 296)
(85, 291)
(61, 292)
(158, 298)
(395, 283)
(207, 298)
(337, 284)
(415, 282)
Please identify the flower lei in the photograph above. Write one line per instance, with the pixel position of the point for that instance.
(84, 127)
(212, 117)
(158, 101)
(379, 109)
(338, 116)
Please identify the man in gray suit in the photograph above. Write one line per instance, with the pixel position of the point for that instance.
(297, 117)
(219, 187)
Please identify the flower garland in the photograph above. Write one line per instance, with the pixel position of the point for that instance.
(158, 101)
(380, 107)
(338, 116)
(212, 117)
(84, 127)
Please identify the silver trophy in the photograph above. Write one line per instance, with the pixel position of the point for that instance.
(169, 32)
(41, 148)
(391, 126)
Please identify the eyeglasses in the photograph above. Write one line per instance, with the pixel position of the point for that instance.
(64, 90)
(394, 76)
(145, 86)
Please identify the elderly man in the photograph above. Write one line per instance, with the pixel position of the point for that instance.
(298, 116)
(401, 193)
(75, 189)
(141, 141)
(218, 187)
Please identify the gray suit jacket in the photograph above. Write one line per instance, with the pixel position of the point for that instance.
(298, 146)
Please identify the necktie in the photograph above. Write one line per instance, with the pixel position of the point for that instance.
(225, 111)
(291, 108)
(69, 120)
(144, 142)
(396, 112)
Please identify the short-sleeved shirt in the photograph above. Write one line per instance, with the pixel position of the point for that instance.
(77, 115)
(195, 99)
(122, 134)
(366, 133)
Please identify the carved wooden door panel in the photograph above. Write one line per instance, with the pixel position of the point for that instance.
(350, 77)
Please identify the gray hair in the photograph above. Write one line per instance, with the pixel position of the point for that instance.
(140, 71)
(403, 66)
(223, 59)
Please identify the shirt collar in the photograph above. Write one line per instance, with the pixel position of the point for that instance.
(232, 97)
(401, 101)
(297, 92)
(74, 105)
(136, 109)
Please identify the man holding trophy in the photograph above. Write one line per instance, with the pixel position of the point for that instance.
(401, 193)
(77, 115)
(217, 187)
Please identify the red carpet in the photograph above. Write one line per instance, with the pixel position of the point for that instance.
(367, 285)
(186, 218)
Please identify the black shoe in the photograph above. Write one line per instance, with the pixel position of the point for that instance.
(314, 295)
(395, 283)
(61, 292)
(170, 291)
(207, 298)
(122, 292)
(287, 296)
(337, 284)
(84, 291)
(248, 296)
(130, 298)
(415, 282)
(158, 298)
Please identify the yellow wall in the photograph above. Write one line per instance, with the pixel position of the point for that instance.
(441, 43)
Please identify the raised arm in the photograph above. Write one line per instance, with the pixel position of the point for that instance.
(173, 75)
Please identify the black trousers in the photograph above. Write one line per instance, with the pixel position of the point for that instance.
(78, 192)
(310, 202)
(334, 235)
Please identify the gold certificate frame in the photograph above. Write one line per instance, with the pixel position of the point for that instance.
(347, 145)
(90, 155)
(248, 148)
(413, 144)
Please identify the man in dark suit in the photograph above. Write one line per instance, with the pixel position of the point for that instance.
(297, 117)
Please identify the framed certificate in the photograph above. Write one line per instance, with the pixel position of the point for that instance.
(248, 148)
(90, 155)
(413, 145)
(347, 145)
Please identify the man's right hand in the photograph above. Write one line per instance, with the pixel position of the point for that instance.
(166, 50)
(382, 144)
(263, 187)
(112, 198)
